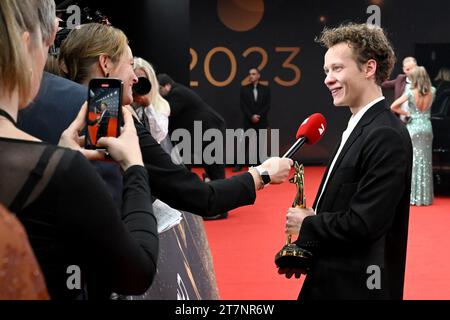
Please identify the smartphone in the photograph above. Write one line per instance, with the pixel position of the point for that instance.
(104, 111)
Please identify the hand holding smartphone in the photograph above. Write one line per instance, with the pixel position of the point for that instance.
(119, 137)
(104, 116)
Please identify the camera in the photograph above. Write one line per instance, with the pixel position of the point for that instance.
(143, 87)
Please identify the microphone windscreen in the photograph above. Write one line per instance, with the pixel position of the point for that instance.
(313, 129)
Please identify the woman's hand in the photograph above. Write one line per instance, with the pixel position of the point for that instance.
(278, 169)
(71, 137)
(125, 150)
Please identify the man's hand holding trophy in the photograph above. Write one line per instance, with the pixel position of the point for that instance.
(292, 259)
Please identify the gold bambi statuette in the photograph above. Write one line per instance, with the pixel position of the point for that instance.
(292, 256)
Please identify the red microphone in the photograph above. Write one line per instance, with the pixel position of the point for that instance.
(310, 132)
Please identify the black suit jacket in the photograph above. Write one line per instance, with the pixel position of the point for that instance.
(187, 107)
(362, 219)
(250, 107)
(183, 190)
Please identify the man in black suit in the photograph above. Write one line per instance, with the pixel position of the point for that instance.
(255, 105)
(358, 229)
(187, 107)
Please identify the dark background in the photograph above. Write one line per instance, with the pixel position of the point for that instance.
(163, 31)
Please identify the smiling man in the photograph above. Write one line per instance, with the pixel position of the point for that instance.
(358, 228)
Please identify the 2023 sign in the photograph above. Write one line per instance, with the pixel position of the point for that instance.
(291, 54)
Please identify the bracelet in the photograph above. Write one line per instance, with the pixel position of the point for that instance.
(261, 181)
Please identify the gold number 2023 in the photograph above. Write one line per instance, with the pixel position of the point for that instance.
(290, 52)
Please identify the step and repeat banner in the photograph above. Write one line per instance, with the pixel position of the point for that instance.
(185, 266)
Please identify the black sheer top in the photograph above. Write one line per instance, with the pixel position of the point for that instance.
(71, 220)
(183, 190)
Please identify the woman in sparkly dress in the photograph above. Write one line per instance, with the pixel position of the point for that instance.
(420, 98)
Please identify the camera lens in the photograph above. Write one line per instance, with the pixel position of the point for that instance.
(143, 87)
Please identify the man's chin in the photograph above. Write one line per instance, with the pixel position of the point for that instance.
(339, 103)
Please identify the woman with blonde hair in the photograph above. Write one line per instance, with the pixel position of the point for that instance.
(85, 245)
(420, 98)
(442, 81)
(152, 108)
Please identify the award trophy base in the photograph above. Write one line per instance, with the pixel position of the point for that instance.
(293, 257)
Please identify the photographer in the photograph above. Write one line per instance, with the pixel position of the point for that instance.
(152, 109)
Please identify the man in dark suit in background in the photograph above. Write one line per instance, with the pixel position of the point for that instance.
(358, 230)
(187, 107)
(255, 100)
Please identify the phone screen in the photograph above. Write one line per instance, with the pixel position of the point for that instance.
(104, 111)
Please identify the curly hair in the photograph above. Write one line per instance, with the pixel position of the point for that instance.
(368, 42)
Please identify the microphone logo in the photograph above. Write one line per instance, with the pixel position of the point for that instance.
(322, 129)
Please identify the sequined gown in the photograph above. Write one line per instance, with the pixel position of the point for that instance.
(421, 133)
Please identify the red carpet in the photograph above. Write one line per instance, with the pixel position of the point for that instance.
(244, 247)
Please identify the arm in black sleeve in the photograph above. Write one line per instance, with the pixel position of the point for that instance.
(373, 206)
(244, 105)
(267, 103)
(119, 250)
(183, 190)
(178, 103)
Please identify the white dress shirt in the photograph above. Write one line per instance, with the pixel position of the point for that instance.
(353, 122)
(156, 122)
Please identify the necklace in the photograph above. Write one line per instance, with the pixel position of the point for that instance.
(8, 117)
